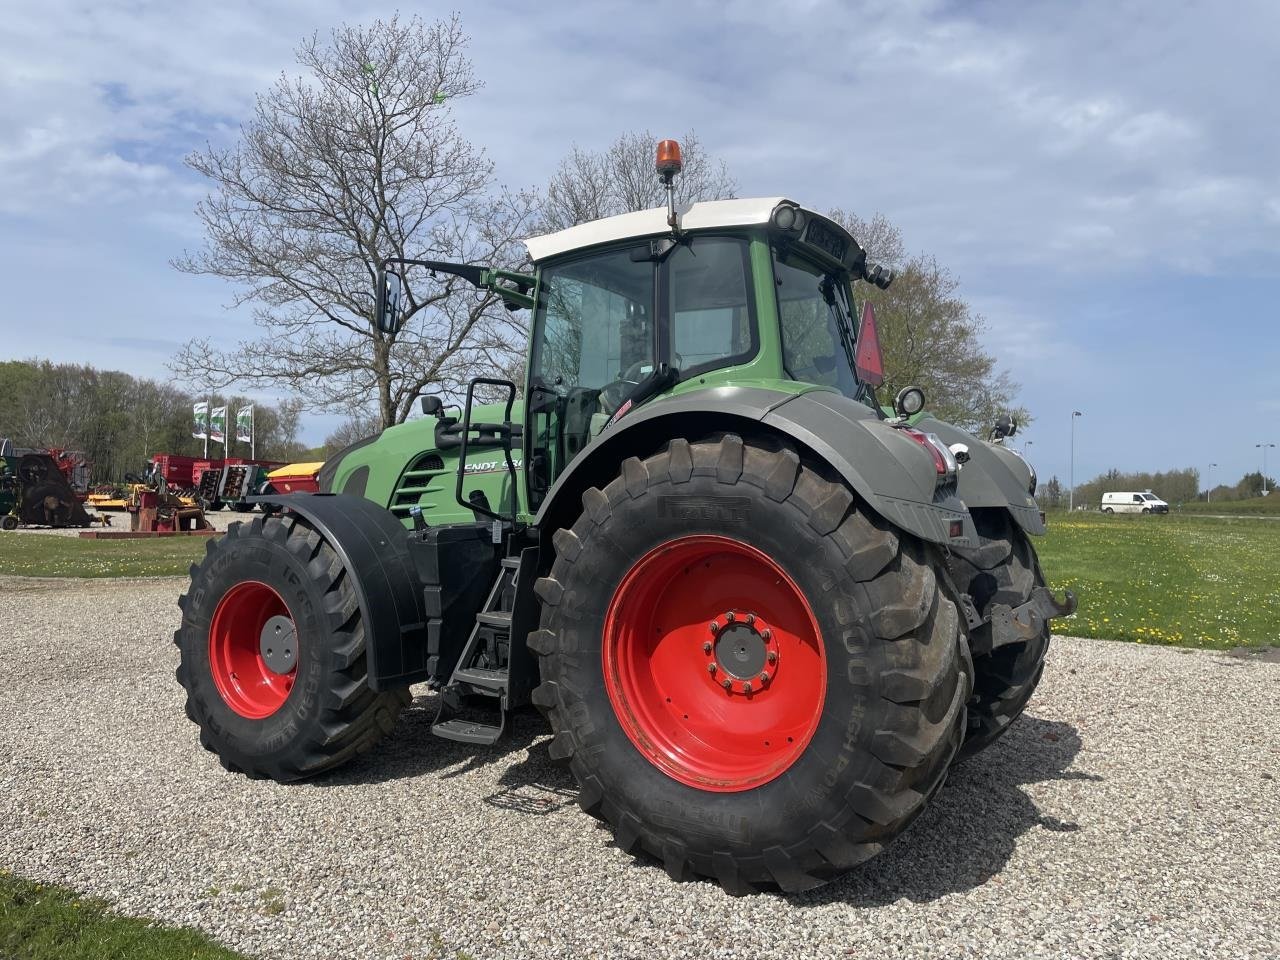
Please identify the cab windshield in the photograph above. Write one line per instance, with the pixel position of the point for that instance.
(817, 326)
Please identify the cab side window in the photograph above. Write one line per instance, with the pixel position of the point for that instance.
(711, 309)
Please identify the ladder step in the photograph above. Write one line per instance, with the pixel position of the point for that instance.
(465, 731)
(495, 680)
(495, 618)
(511, 563)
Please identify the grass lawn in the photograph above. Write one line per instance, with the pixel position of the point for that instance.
(1178, 579)
(41, 922)
(41, 555)
(1184, 580)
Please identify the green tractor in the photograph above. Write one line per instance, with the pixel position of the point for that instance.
(762, 614)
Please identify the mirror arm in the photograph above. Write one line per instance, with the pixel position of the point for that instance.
(514, 288)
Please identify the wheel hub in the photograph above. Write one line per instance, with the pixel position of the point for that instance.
(744, 655)
(278, 645)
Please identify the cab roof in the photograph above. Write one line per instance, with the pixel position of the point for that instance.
(704, 215)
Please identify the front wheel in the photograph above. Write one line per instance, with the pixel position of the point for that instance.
(272, 654)
(1146, 509)
(752, 678)
(1107, 510)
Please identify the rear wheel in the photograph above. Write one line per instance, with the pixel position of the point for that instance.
(272, 654)
(751, 678)
(1107, 510)
(1002, 569)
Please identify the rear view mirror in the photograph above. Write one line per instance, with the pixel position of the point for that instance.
(1005, 426)
(387, 308)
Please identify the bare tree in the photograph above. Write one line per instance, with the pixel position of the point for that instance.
(352, 429)
(929, 336)
(357, 160)
(590, 185)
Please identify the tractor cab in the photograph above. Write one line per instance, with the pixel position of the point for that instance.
(654, 304)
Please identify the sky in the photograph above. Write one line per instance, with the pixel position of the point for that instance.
(1102, 177)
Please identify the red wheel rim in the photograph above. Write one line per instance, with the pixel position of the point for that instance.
(239, 649)
(714, 663)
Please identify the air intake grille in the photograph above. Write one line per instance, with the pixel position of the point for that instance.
(415, 482)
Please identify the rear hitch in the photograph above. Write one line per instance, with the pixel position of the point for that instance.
(1025, 621)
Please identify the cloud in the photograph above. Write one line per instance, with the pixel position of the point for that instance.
(1040, 151)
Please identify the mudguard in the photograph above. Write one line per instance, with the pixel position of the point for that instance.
(373, 547)
(894, 475)
(993, 477)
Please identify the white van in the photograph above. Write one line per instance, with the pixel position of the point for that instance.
(1146, 502)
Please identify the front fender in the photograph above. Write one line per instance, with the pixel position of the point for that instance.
(374, 549)
(993, 477)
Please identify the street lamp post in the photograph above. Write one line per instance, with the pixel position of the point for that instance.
(1264, 464)
(1071, 476)
(1208, 494)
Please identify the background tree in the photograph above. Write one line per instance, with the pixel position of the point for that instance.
(1050, 494)
(356, 160)
(1173, 486)
(119, 422)
(348, 432)
(929, 335)
(589, 185)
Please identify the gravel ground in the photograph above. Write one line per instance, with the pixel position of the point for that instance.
(1131, 813)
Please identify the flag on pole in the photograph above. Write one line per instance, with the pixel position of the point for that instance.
(218, 425)
(200, 421)
(244, 424)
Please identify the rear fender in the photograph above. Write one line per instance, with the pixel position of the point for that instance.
(893, 475)
(994, 476)
(373, 547)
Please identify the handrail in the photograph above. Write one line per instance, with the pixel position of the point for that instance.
(504, 431)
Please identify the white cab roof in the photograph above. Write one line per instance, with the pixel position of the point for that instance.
(705, 215)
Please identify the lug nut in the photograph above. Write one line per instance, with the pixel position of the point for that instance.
(751, 618)
(706, 647)
(711, 668)
(746, 687)
(731, 616)
(715, 627)
(766, 634)
(726, 683)
(764, 676)
(773, 656)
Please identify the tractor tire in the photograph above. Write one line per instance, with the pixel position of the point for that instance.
(288, 709)
(677, 738)
(1002, 569)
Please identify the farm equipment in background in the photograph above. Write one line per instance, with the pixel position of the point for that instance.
(73, 466)
(762, 613)
(230, 482)
(34, 492)
(153, 509)
(294, 478)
